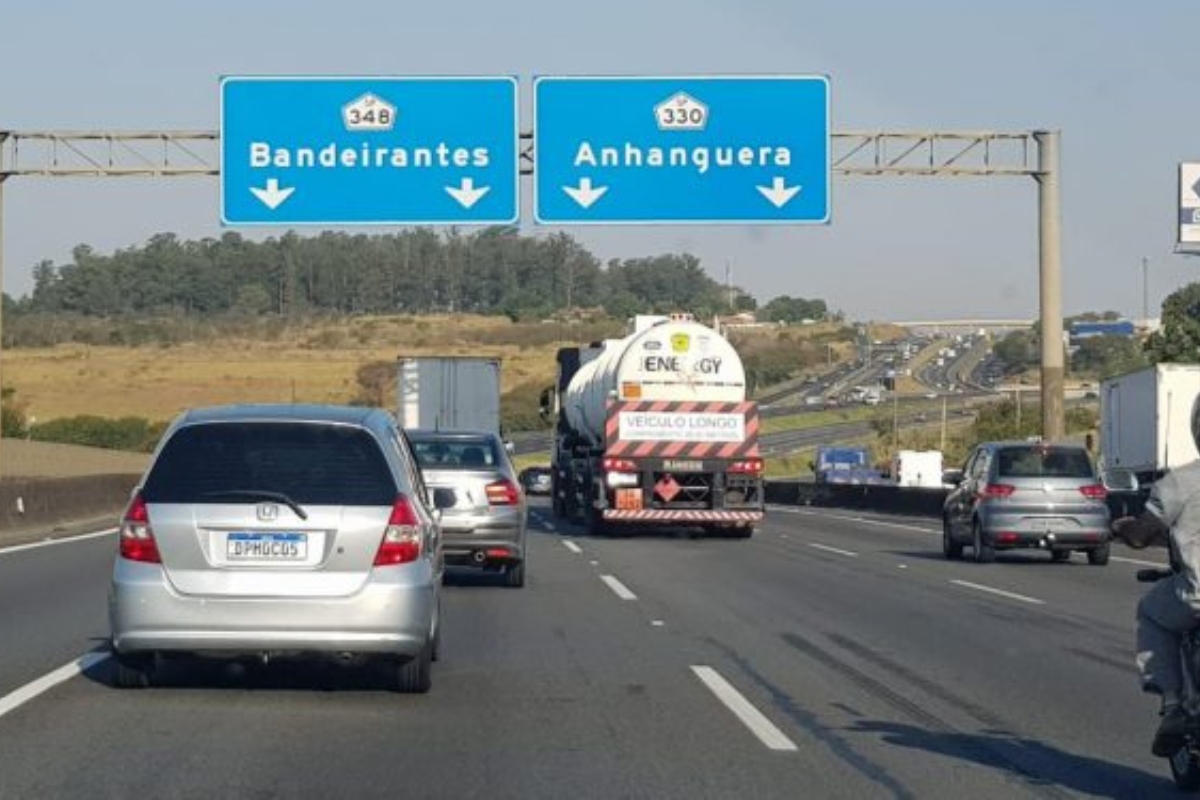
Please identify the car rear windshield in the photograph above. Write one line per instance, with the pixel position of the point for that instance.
(310, 463)
(456, 453)
(1043, 462)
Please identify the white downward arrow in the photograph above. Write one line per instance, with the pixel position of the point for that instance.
(272, 196)
(584, 194)
(778, 193)
(466, 193)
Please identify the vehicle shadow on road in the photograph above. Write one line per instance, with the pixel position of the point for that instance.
(1017, 558)
(1028, 761)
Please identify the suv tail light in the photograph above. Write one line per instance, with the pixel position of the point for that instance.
(401, 542)
(1095, 491)
(137, 539)
(503, 493)
(996, 490)
(749, 466)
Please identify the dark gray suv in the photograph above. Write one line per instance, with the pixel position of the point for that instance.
(1027, 494)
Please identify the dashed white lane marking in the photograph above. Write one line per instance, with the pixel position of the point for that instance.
(619, 589)
(990, 590)
(16, 548)
(829, 549)
(744, 710)
(574, 548)
(19, 697)
(1140, 563)
(657, 623)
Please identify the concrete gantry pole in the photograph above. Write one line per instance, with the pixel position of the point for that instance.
(1050, 259)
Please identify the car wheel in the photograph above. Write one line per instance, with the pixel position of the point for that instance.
(514, 575)
(1098, 556)
(1060, 555)
(984, 552)
(415, 675)
(951, 549)
(132, 672)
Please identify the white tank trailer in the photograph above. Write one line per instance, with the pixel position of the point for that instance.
(655, 429)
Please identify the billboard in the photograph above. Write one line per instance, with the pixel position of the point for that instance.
(1189, 204)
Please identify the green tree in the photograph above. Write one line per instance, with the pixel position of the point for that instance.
(1104, 356)
(1019, 350)
(1178, 340)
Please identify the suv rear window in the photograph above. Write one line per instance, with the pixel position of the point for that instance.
(310, 463)
(456, 453)
(1043, 462)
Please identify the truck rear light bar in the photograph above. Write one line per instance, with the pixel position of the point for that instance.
(751, 466)
(619, 465)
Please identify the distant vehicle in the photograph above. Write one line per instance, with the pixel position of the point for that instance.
(918, 468)
(1027, 494)
(844, 465)
(484, 526)
(449, 393)
(536, 480)
(266, 531)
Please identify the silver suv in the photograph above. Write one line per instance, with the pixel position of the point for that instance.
(266, 531)
(1027, 494)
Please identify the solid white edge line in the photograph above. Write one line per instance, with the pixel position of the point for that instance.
(619, 589)
(980, 587)
(19, 697)
(574, 548)
(851, 518)
(744, 710)
(829, 549)
(16, 548)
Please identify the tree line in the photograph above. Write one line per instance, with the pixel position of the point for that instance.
(493, 271)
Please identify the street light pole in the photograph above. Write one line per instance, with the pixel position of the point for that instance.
(1145, 290)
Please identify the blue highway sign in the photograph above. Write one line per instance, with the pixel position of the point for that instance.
(368, 150)
(685, 150)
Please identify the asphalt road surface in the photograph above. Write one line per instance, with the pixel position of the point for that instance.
(830, 656)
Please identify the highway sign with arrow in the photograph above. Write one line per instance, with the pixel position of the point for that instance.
(681, 149)
(368, 150)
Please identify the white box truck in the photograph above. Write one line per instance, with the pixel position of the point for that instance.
(1145, 419)
(918, 468)
(459, 393)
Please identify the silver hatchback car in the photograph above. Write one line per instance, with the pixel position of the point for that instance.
(1027, 494)
(279, 530)
(485, 525)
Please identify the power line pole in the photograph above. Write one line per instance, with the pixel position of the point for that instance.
(1145, 289)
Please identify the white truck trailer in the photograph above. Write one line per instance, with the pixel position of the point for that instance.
(1145, 419)
(449, 393)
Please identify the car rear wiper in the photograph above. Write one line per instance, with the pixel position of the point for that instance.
(259, 494)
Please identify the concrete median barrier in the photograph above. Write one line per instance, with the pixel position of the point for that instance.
(37, 507)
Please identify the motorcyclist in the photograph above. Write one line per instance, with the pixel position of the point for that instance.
(1172, 606)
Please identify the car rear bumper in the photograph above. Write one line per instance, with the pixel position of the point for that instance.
(1020, 531)
(392, 614)
(481, 546)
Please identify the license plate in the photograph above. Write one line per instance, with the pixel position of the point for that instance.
(285, 547)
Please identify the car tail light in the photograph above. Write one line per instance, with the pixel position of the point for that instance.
(137, 539)
(1006, 538)
(749, 466)
(996, 490)
(503, 493)
(1094, 492)
(619, 465)
(402, 538)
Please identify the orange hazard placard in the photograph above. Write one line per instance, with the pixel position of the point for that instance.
(629, 499)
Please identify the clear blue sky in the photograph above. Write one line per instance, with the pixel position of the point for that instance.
(1118, 79)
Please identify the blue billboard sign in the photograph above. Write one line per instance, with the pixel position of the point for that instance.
(368, 150)
(682, 150)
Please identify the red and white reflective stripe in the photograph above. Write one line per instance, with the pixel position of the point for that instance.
(658, 514)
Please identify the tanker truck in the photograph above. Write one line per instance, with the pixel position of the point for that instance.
(655, 430)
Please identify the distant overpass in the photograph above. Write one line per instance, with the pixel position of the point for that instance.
(965, 325)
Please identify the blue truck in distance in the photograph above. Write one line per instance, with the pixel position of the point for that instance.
(844, 465)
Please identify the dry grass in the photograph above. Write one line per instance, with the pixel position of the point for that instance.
(312, 364)
(21, 459)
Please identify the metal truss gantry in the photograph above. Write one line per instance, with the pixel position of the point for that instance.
(957, 154)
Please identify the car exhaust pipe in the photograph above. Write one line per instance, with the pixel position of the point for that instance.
(478, 556)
